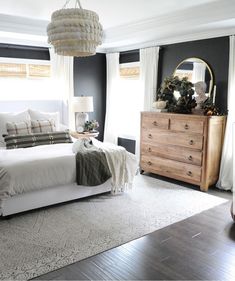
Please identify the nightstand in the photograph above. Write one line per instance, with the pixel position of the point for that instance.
(77, 135)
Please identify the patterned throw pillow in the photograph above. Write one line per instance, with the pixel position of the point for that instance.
(18, 128)
(23, 141)
(43, 126)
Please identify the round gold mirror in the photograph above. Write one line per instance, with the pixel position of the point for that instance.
(197, 70)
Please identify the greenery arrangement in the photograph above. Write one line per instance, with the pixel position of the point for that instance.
(185, 103)
(209, 108)
(91, 126)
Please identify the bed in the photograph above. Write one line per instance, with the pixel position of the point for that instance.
(44, 175)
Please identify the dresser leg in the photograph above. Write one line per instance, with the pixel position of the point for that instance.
(204, 187)
(141, 171)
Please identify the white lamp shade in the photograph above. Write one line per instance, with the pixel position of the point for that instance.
(83, 104)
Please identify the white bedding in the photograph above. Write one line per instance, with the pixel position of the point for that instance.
(23, 170)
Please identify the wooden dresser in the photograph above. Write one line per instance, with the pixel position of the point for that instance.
(183, 147)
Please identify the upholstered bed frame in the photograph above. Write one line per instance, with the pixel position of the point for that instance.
(49, 196)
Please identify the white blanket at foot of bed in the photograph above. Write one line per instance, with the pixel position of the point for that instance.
(122, 164)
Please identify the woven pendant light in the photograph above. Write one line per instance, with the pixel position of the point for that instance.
(74, 31)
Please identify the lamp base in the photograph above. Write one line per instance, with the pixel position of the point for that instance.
(81, 118)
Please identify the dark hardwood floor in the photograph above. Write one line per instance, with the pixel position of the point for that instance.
(201, 247)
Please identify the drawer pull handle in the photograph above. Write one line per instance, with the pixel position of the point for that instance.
(149, 163)
(155, 123)
(191, 142)
(150, 149)
(150, 136)
(189, 173)
(190, 157)
(186, 126)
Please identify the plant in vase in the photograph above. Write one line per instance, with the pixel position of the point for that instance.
(91, 126)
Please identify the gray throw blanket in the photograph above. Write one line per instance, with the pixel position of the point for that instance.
(91, 164)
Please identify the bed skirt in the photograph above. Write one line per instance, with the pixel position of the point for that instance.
(49, 196)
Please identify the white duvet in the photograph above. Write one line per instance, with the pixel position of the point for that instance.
(23, 170)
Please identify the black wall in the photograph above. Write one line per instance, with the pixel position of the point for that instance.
(90, 80)
(214, 51)
(24, 52)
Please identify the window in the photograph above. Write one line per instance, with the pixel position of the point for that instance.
(130, 101)
(25, 79)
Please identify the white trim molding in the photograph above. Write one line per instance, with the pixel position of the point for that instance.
(212, 19)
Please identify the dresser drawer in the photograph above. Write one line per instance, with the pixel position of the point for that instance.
(171, 138)
(172, 152)
(155, 122)
(185, 125)
(171, 168)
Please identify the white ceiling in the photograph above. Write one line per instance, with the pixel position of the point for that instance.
(111, 12)
(127, 23)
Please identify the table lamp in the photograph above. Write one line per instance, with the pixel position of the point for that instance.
(82, 105)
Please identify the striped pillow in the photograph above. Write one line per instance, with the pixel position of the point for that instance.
(43, 126)
(18, 128)
(23, 141)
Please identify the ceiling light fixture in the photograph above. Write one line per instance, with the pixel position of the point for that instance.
(74, 31)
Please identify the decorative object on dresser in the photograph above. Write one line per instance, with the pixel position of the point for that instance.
(200, 89)
(209, 108)
(81, 106)
(184, 101)
(183, 147)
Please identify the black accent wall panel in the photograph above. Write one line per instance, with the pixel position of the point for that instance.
(90, 80)
(24, 52)
(214, 51)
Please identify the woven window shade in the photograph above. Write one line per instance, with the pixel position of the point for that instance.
(13, 70)
(21, 70)
(130, 72)
(37, 70)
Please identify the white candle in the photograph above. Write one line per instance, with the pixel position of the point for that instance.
(214, 94)
(210, 88)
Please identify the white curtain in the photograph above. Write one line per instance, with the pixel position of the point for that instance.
(63, 84)
(148, 78)
(112, 110)
(199, 72)
(148, 74)
(115, 101)
(226, 167)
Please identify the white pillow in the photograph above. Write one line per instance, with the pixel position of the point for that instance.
(63, 127)
(11, 117)
(40, 115)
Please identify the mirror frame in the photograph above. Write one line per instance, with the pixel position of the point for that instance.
(208, 67)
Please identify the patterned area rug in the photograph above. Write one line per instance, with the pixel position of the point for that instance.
(37, 242)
